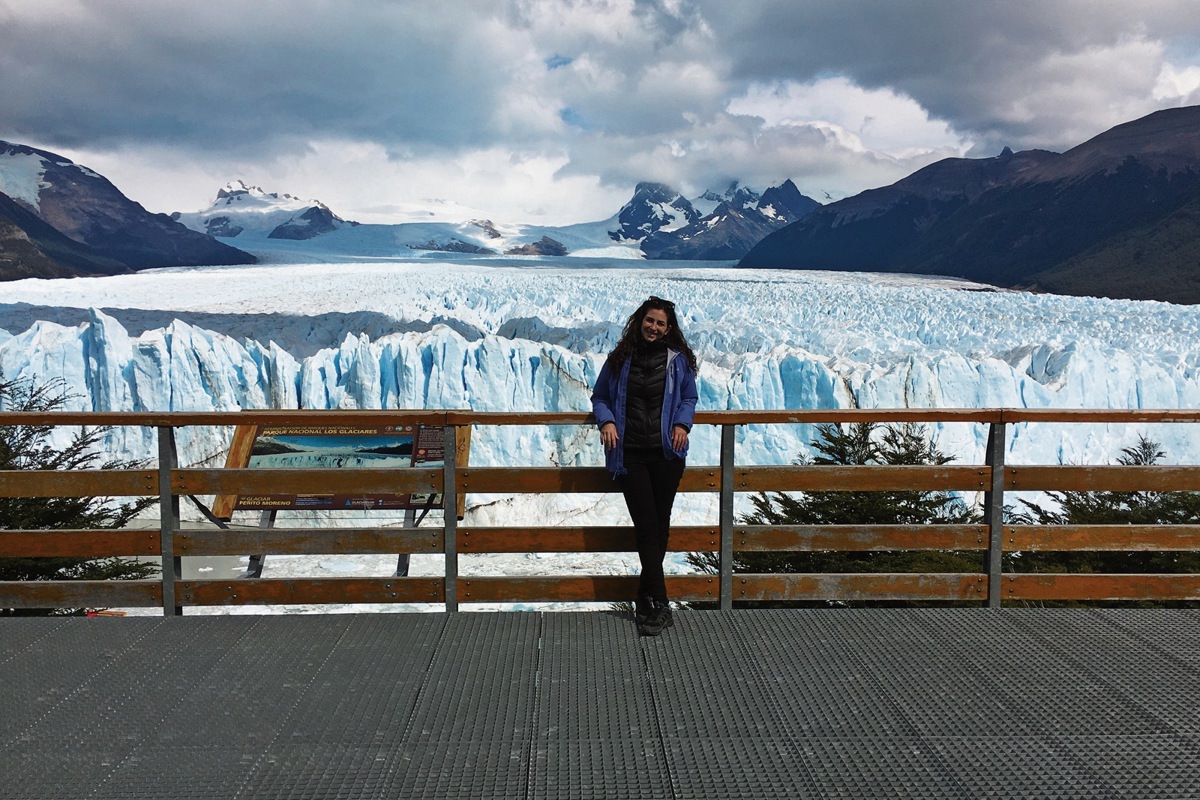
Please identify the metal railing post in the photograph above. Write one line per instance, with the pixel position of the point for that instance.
(450, 515)
(726, 513)
(168, 512)
(993, 505)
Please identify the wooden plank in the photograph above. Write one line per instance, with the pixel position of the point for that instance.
(848, 416)
(1046, 586)
(304, 481)
(700, 478)
(295, 591)
(183, 419)
(80, 594)
(241, 447)
(299, 541)
(547, 480)
(536, 479)
(806, 416)
(859, 538)
(78, 483)
(579, 588)
(407, 417)
(506, 418)
(462, 459)
(79, 543)
(594, 539)
(1132, 538)
(1108, 478)
(860, 478)
(1104, 415)
(853, 587)
(238, 457)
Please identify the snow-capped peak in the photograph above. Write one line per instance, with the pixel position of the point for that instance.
(734, 195)
(241, 207)
(238, 191)
(654, 207)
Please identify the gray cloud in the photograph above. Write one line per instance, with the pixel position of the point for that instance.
(1021, 72)
(736, 148)
(246, 75)
(613, 90)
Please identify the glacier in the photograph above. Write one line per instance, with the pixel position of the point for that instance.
(488, 335)
(502, 334)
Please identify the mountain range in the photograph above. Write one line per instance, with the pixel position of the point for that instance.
(1117, 216)
(668, 226)
(657, 222)
(58, 218)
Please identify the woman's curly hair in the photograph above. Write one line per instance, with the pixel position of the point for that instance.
(632, 334)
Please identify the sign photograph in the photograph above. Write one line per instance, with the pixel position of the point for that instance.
(387, 447)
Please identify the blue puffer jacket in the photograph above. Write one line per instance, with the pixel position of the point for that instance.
(678, 408)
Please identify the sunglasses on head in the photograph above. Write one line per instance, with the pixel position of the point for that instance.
(661, 302)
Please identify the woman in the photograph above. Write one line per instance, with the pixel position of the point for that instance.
(644, 401)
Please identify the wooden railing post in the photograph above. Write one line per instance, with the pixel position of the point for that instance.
(726, 512)
(168, 514)
(993, 505)
(450, 515)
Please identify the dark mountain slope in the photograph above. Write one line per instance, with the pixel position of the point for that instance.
(1156, 261)
(1028, 219)
(31, 248)
(110, 232)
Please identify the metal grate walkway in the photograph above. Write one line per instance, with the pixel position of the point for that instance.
(967, 703)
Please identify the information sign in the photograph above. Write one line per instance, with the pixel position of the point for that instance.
(399, 447)
(403, 446)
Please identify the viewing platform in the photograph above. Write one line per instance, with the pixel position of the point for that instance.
(879, 703)
(996, 697)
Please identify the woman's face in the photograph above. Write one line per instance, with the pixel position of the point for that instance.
(655, 325)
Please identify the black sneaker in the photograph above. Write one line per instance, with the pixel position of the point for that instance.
(660, 619)
(642, 609)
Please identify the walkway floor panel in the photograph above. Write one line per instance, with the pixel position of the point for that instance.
(888, 703)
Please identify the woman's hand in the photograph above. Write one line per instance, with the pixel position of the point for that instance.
(679, 437)
(608, 435)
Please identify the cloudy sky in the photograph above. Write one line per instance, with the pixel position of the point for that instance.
(549, 111)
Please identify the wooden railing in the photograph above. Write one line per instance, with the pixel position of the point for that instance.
(989, 586)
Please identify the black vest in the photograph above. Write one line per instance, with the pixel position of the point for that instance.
(644, 396)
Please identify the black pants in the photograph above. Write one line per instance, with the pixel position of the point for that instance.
(649, 487)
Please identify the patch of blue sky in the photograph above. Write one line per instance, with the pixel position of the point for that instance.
(575, 119)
